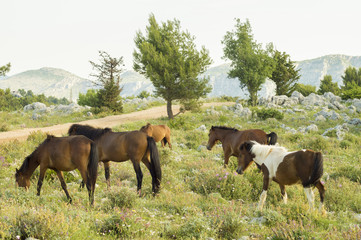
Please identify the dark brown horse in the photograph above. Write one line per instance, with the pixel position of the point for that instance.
(122, 146)
(62, 154)
(232, 139)
(158, 132)
(286, 168)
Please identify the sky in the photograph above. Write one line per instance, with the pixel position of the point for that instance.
(67, 34)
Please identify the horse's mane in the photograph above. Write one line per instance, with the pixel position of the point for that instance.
(88, 131)
(225, 128)
(262, 151)
(145, 126)
(25, 164)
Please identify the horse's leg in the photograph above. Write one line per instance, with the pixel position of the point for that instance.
(84, 174)
(227, 155)
(167, 138)
(310, 196)
(321, 190)
(41, 178)
(283, 193)
(107, 172)
(139, 174)
(63, 184)
(152, 173)
(162, 142)
(266, 179)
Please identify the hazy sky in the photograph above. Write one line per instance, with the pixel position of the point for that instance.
(68, 33)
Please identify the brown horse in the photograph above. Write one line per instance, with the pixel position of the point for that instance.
(122, 146)
(232, 139)
(158, 132)
(62, 154)
(286, 168)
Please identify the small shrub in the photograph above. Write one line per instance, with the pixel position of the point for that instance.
(193, 228)
(121, 198)
(316, 143)
(264, 113)
(192, 105)
(4, 127)
(123, 224)
(345, 144)
(143, 94)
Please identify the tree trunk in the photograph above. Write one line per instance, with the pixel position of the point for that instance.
(253, 98)
(169, 109)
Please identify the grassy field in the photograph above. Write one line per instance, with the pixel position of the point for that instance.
(199, 199)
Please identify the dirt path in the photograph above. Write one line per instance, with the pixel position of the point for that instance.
(110, 121)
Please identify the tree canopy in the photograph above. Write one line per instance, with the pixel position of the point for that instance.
(327, 85)
(351, 83)
(285, 74)
(4, 69)
(168, 57)
(250, 63)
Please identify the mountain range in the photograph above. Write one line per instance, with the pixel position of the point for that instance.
(60, 83)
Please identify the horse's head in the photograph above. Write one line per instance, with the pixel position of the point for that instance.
(246, 156)
(212, 138)
(21, 180)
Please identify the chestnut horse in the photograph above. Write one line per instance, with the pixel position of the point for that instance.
(122, 146)
(62, 154)
(286, 168)
(158, 132)
(232, 139)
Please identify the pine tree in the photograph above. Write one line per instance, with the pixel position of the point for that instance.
(108, 78)
(4, 69)
(327, 85)
(169, 58)
(284, 74)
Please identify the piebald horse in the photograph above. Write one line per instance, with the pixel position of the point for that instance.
(286, 168)
(232, 139)
(158, 132)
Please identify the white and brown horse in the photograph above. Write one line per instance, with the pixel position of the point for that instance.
(286, 168)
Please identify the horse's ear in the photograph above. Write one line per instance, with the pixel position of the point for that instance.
(212, 127)
(148, 124)
(249, 146)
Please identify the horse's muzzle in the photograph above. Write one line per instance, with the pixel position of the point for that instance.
(208, 147)
(239, 171)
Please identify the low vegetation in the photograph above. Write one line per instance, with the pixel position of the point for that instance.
(199, 199)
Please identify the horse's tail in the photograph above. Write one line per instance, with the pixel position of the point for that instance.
(154, 164)
(271, 138)
(165, 141)
(92, 169)
(317, 170)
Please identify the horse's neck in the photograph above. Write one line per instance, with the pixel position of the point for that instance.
(33, 164)
(222, 135)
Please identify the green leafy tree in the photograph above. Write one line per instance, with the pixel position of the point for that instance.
(250, 63)
(169, 58)
(89, 99)
(305, 89)
(351, 83)
(4, 69)
(285, 74)
(144, 94)
(108, 78)
(351, 78)
(327, 85)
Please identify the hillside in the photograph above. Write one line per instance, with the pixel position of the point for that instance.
(60, 83)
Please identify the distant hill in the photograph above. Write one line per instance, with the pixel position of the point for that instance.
(60, 83)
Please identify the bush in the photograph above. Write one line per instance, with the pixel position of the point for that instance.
(305, 89)
(143, 94)
(264, 113)
(120, 198)
(190, 105)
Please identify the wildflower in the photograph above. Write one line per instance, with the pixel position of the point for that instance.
(220, 179)
(218, 186)
(322, 182)
(217, 175)
(340, 185)
(17, 237)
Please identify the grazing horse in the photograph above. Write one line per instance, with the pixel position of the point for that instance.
(158, 132)
(122, 146)
(287, 168)
(232, 139)
(62, 154)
